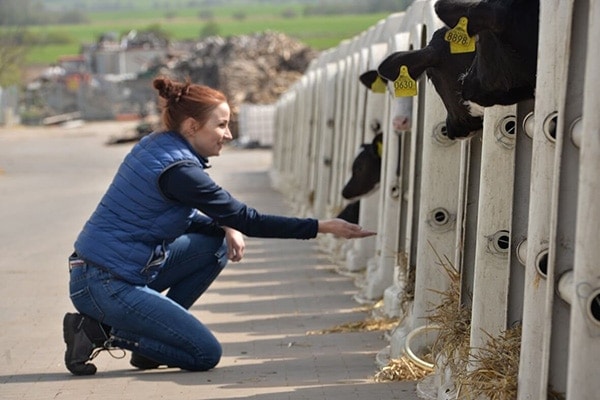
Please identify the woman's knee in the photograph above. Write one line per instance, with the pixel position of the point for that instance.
(207, 359)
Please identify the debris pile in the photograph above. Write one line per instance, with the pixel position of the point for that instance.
(253, 69)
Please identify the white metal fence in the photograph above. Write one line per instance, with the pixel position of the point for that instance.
(514, 210)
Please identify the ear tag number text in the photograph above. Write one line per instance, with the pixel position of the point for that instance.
(405, 86)
(459, 39)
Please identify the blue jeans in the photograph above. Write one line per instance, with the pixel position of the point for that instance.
(152, 324)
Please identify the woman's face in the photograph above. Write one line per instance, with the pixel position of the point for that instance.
(209, 139)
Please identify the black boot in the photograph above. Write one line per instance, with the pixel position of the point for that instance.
(142, 362)
(82, 335)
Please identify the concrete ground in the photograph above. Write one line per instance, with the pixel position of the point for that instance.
(261, 308)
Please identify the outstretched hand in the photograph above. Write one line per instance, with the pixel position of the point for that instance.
(341, 228)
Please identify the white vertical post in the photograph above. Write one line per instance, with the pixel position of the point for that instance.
(316, 112)
(492, 262)
(584, 346)
(299, 140)
(277, 141)
(440, 180)
(380, 276)
(436, 182)
(565, 189)
(306, 133)
(338, 97)
(284, 138)
(555, 28)
(360, 250)
(325, 151)
(341, 100)
(393, 255)
(340, 125)
(346, 143)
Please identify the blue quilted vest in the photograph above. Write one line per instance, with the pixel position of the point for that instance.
(129, 232)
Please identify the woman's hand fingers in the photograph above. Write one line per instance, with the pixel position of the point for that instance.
(341, 228)
(356, 231)
(235, 244)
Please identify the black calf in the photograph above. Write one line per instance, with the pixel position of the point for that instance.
(503, 70)
(350, 212)
(366, 170)
(445, 70)
(366, 174)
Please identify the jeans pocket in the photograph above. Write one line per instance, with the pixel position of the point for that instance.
(84, 302)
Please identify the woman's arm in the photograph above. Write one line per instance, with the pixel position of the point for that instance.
(192, 186)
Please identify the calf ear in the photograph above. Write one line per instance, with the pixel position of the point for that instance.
(369, 79)
(377, 144)
(481, 15)
(417, 61)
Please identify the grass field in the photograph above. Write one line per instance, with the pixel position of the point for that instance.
(319, 32)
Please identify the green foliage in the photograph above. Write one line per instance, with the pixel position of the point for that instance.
(49, 54)
(319, 31)
(336, 7)
(47, 38)
(211, 28)
(158, 31)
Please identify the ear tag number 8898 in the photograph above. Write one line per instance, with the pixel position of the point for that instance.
(459, 39)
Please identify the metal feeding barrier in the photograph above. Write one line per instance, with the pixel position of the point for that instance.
(511, 214)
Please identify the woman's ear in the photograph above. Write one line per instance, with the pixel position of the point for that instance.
(188, 127)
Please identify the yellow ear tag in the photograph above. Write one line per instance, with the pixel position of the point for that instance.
(459, 39)
(379, 145)
(378, 86)
(405, 86)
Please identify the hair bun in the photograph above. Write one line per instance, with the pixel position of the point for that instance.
(169, 90)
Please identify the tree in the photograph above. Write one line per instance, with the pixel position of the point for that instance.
(210, 29)
(12, 56)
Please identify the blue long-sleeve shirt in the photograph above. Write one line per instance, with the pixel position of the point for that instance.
(191, 185)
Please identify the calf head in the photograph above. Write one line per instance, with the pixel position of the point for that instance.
(351, 212)
(503, 70)
(366, 170)
(445, 70)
